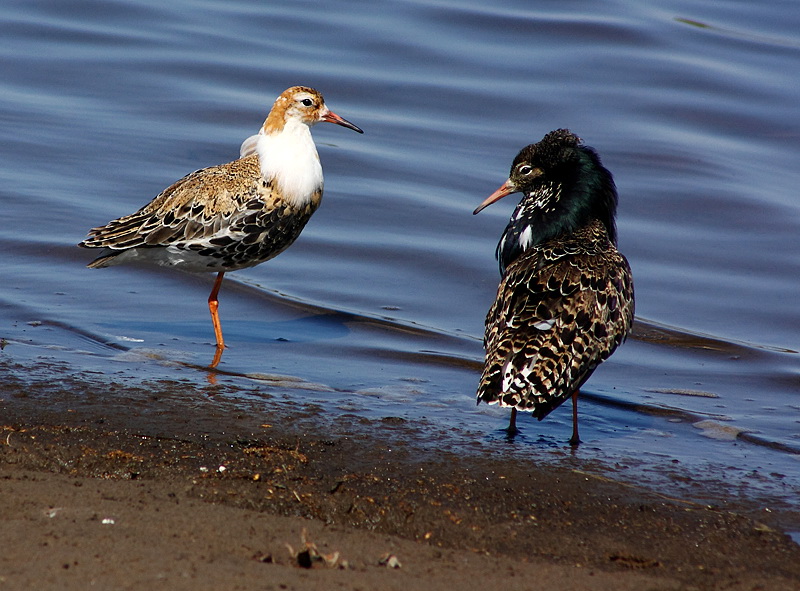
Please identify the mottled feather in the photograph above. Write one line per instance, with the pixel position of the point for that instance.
(562, 308)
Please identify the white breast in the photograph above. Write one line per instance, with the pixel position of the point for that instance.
(290, 157)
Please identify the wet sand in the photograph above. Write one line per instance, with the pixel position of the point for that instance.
(175, 487)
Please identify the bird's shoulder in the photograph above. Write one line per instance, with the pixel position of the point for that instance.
(212, 191)
(195, 207)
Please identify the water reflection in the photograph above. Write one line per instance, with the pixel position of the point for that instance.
(379, 305)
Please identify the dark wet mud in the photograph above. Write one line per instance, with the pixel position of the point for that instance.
(385, 476)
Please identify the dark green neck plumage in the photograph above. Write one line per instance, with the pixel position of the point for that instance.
(580, 191)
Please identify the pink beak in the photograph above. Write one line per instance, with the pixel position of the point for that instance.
(506, 189)
(332, 117)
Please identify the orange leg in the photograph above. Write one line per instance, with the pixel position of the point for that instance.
(575, 440)
(213, 306)
(212, 377)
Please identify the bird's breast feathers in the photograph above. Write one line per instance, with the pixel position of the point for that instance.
(290, 159)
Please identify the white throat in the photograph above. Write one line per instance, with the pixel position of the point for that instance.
(290, 158)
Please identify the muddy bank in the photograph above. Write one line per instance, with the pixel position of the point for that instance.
(171, 485)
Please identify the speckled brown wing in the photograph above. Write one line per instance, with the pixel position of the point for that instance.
(228, 212)
(186, 210)
(561, 309)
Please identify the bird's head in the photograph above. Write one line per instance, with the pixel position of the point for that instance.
(563, 186)
(301, 104)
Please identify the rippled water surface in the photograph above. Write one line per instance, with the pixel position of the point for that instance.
(377, 310)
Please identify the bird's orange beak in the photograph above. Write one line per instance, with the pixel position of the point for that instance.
(332, 117)
(506, 189)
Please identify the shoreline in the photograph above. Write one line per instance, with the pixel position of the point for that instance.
(203, 494)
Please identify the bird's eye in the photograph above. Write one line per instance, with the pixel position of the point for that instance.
(525, 169)
(307, 102)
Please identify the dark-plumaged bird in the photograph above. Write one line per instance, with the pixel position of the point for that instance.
(234, 215)
(565, 301)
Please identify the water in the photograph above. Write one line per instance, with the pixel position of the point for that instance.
(378, 308)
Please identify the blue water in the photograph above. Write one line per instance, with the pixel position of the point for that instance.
(378, 308)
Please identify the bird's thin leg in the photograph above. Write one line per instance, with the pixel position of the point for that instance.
(212, 376)
(575, 440)
(213, 306)
(512, 423)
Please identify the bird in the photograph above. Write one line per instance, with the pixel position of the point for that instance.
(566, 300)
(235, 215)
